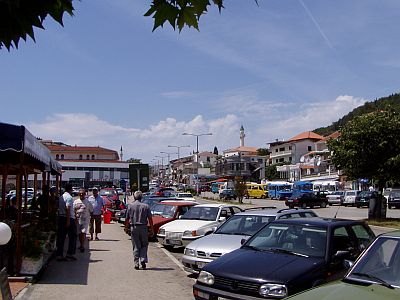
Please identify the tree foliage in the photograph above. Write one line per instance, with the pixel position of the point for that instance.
(262, 151)
(179, 13)
(240, 188)
(19, 17)
(271, 173)
(134, 160)
(369, 147)
(391, 102)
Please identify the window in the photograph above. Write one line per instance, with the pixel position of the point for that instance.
(62, 156)
(290, 158)
(281, 159)
(235, 210)
(276, 150)
(282, 149)
(92, 156)
(290, 147)
(80, 157)
(87, 156)
(309, 148)
(57, 157)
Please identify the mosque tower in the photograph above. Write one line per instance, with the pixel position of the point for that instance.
(242, 136)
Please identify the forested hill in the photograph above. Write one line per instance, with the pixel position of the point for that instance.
(391, 102)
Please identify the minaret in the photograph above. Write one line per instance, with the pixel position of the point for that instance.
(120, 153)
(242, 136)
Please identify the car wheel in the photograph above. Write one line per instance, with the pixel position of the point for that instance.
(169, 247)
(358, 206)
(390, 207)
(291, 206)
(323, 204)
(304, 205)
(318, 282)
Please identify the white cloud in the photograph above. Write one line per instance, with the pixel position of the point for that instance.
(145, 143)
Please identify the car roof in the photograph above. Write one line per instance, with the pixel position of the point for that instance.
(271, 211)
(177, 203)
(395, 234)
(318, 221)
(213, 205)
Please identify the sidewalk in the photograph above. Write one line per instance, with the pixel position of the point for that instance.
(106, 271)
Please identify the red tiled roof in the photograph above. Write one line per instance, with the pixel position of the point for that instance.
(90, 160)
(207, 153)
(79, 149)
(306, 135)
(244, 149)
(334, 135)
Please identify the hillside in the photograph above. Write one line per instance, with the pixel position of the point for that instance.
(391, 102)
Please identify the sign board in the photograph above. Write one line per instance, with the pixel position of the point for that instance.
(5, 285)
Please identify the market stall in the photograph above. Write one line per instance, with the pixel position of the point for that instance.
(21, 156)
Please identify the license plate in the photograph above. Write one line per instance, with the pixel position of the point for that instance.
(290, 200)
(174, 242)
(201, 264)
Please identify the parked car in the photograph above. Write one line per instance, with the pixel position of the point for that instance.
(165, 212)
(227, 194)
(375, 275)
(350, 197)
(199, 221)
(164, 192)
(305, 200)
(394, 199)
(119, 191)
(285, 257)
(229, 235)
(335, 197)
(363, 198)
(184, 196)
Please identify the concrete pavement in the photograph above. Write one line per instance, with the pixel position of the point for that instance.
(106, 271)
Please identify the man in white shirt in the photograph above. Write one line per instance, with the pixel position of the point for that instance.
(98, 204)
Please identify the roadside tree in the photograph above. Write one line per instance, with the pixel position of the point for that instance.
(240, 188)
(369, 147)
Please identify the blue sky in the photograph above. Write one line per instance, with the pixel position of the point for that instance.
(280, 68)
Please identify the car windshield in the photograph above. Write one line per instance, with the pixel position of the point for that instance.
(243, 225)
(290, 238)
(350, 193)
(151, 201)
(380, 264)
(107, 192)
(337, 193)
(365, 193)
(202, 213)
(395, 194)
(166, 211)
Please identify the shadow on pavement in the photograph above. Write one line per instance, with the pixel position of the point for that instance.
(159, 269)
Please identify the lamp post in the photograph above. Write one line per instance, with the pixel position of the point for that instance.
(168, 154)
(162, 165)
(197, 154)
(178, 147)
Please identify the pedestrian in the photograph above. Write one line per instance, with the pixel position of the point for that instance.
(66, 225)
(83, 209)
(98, 204)
(138, 214)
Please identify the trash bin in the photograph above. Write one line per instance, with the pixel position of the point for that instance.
(107, 217)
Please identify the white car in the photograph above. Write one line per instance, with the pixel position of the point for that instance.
(350, 197)
(199, 221)
(184, 196)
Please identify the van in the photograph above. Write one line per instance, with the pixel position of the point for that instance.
(349, 197)
(255, 190)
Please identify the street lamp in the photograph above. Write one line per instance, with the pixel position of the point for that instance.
(197, 154)
(179, 147)
(168, 154)
(162, 164)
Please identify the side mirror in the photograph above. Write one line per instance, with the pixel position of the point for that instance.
(242, 241)
(347, 264)
(222, 219)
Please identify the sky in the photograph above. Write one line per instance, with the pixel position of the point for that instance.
(278, 68)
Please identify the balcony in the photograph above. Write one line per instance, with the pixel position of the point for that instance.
(281, 153)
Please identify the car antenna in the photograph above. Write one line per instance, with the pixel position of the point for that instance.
(336, 213)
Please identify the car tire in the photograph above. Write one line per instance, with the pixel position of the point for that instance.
(169, 247)
(358, 206)
(323, 204)
(303, 205)
(291, 206)
(318, 282)
(389, 206)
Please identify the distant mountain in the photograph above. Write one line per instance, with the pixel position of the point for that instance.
(391, 102)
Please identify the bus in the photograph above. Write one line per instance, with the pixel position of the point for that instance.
(279, 189)
(326, 185)
(255, 190)
(215, 186)
(301, 187)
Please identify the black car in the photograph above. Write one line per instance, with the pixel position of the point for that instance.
(227, 194)
(363, 198)
(305, 200)
(283, 258)
(394, 199)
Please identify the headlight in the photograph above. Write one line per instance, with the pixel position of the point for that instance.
(273, 290)
(190, 252)
(161, 231)
(190, 233)
(206, 278)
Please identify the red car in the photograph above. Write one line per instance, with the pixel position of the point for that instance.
(167, 211)
(111, 197)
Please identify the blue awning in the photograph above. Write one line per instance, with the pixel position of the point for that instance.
(16, 140)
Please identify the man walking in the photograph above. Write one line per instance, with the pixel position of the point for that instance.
(98, 204)
(138, 214)
(66, 225)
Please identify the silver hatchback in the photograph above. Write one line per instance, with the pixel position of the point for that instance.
(229, 235)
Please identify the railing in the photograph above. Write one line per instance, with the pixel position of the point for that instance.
(280, 153)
